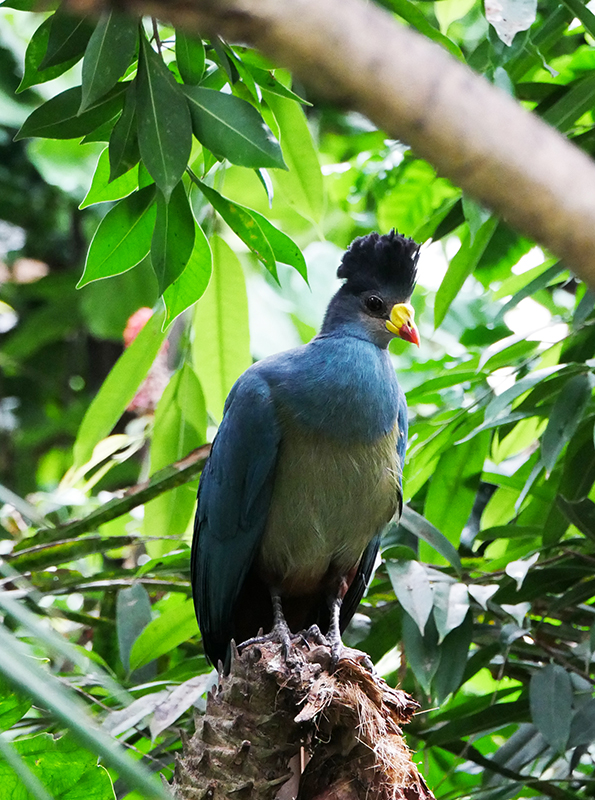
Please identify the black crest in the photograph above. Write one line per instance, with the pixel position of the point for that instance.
(379, 260)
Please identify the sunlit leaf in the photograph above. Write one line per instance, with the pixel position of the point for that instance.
(451, 604)
(102, 191)
(123, 237)
(173, 627)
(302, 185)
(192, 283)
(118, 389)
(413, 590)
(221, 346)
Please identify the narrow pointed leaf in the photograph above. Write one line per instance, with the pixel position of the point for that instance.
(460, 267)
(124, 152)
(582, 727)
(550, 694)
(302, 185)
(451, 604)
(22, 671)
(164, 633)
(422, 651)
(108, 55)
(123, 237)
(190, 57)
(164, 129)
(243, 222)
(412, 587)
(221, 346)
(173, 237)
(427, 532)
(232, 128)
(192, 283)
(102, 191)
(285, 249)
(118, 389)
(265, 79)
(36, 50)
(68, 37)
(565, 417)
(59, 117)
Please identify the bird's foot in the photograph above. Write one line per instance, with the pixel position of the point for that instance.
(314, 635)
(279, 635)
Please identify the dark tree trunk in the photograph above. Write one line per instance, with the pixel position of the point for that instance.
(278, 729)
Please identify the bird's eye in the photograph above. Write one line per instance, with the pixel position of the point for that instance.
(374, 304)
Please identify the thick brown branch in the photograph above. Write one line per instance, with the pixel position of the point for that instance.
(358, 55)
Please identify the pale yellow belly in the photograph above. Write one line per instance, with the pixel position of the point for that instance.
(328, 502)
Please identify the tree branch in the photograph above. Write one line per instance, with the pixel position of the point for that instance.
(356, 54)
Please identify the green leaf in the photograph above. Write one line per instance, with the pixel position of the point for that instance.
(164, 128)
(21, 670)
(61, 765)
(192, 283)
(34, 54)
(550, 693)
(68, 37)
(118, 389)
(133, 614)
(422, 651)
(102, 191)
(412, 587)
(580, 513)
(243, 222)
(222, 350)
(425, 531)
(59, 117)
(190, 57)
(180, 426)
(108, 55)
(453, 659)
(451, 604)
(582, 726)
(508, 396)
(173, 237)
(124, 152)
(302, 186)
(174, 626)
(542, 280)
(574, 103)
(13, 706)
(285, 249)
(43, 556)
(22, 771)
(233, 129)
(460, 267)
(457, 474)
(565, 417)
(267, 80)
(123, 237)
(411, 14)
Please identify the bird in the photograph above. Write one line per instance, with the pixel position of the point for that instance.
(305, 470)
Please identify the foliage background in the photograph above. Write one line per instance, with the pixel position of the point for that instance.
(482, 607)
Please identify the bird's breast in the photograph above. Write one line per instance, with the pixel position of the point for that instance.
(329, 500)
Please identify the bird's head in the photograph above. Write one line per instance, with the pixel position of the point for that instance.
(379, 273)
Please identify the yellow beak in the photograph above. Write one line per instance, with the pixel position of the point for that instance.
(401, 323)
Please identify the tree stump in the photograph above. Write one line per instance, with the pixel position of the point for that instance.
(277, 728)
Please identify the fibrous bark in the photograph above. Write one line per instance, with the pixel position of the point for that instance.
(269, 715)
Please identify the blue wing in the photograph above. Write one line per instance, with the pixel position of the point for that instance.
(233, 503)
(363, 575)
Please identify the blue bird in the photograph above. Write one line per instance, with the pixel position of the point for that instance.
(305, 470)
